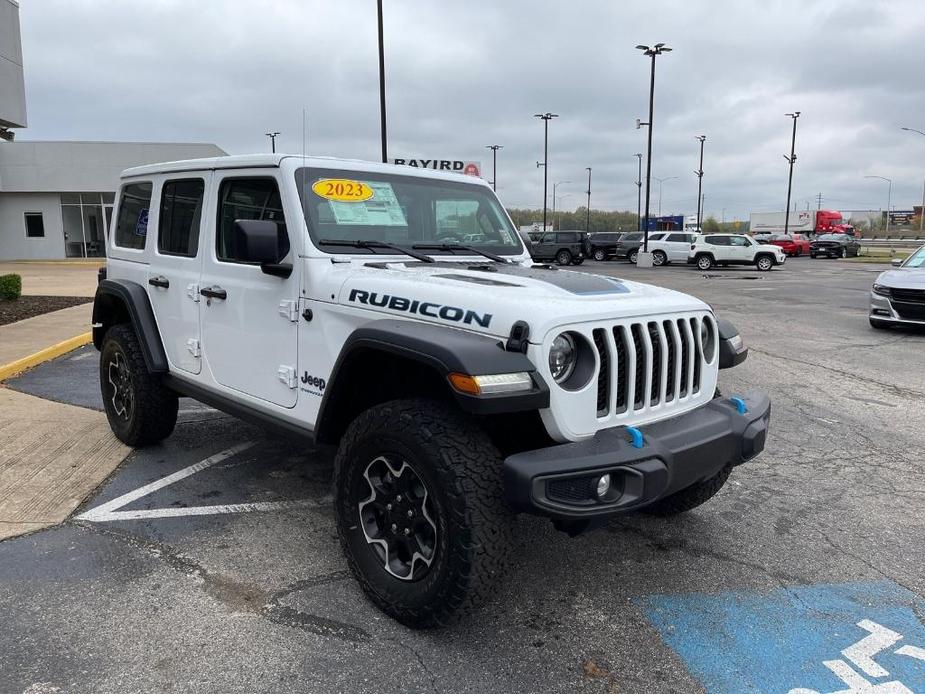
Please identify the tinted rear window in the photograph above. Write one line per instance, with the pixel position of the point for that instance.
(132, 224)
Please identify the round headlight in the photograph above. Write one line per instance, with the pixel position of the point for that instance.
(562, 357)
(707, 339)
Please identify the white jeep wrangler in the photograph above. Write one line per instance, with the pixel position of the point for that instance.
(396, 314)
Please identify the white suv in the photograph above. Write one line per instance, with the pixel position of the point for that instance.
(733, 249)
(673, 247)
(396, 314)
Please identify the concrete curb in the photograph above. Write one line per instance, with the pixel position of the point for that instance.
(52, 352)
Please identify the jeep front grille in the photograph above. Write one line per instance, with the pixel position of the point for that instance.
(648, 364)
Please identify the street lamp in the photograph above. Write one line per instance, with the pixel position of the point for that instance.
(545, 117)
(660, 181)
(922, 211)
(588, 213)
(639, 194)
(889, 198)
(272, 137)
(382, 132)
(555, 212)
(494, 164)
(652, 52)
(699, 173)
(554, 186)
(792, 158)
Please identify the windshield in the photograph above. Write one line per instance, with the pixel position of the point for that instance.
(917, 259)
(402, 210)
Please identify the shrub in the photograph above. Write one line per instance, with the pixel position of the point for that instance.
(10, 287)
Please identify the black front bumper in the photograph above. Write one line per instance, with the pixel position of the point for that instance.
(560, 481)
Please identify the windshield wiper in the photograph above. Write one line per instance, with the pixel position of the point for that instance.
(460, 247)
(372, 244)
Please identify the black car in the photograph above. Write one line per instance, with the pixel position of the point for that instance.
(834, 246)
(563, 247)
(628, 246)
(604, 244)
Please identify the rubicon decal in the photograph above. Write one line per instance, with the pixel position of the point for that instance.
(423, 308)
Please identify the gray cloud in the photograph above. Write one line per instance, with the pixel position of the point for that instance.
(465, 75)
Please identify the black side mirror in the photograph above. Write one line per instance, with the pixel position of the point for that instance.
(258, 241)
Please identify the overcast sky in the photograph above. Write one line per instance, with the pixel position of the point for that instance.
(462, 75)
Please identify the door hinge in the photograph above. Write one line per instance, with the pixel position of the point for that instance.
(287, 375)
(289, 310)
(192, 345)
(192, 291)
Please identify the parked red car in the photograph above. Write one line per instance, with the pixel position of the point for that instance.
(792, 244)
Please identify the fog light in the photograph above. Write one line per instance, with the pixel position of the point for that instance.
(602, 487)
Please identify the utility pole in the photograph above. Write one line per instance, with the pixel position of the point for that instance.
(545, 117)
(382, 130)
(792, 158)
(494, 164)
(639, 194)
(588, 213)
(272, 137)
(699, 173)
(819, 201)
(652, 52)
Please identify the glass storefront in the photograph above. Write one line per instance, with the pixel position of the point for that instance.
(86, 218)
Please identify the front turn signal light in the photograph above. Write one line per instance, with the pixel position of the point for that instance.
(491, 384)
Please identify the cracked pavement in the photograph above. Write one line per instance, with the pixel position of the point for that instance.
(262, 602)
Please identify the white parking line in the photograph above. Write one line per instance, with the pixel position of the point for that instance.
(110, 510)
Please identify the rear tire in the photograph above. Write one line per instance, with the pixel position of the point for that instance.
(141, 410)
(659, 258)
(563, 257)
(461, 527)
(691, 497)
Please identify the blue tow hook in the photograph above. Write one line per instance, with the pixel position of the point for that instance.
(740, 405)
(636, 435)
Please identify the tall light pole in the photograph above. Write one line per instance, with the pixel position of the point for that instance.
(555, 212)
(922, 211)
(660, 181)
(652, 52)
(494, 164)
(588, 213)
(272, 137)
(889, 198)
(639, 193)
(792, 158)
(382, 131)
(699, 173)
(554, 186)
(545, 117)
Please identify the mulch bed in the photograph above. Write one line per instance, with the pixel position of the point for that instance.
(29, 306)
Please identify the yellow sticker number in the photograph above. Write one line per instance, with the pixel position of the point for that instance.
(342, 190)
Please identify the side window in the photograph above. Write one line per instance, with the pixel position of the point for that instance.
(181, 211)
(677, 238)
(568, 238)
(247, 198)
(35, 225)
(738, 241)
(132, 224)
(717, 240)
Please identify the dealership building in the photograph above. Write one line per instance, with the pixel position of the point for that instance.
(56, 197)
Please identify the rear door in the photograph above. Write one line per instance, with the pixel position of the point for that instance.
(249, 328)
(173, 275)
(677, 246)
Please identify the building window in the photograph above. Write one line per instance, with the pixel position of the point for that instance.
(86, 219)
(35, 225)
(181, 211)
(132, 224)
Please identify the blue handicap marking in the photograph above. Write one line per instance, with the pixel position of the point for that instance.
(822, 639)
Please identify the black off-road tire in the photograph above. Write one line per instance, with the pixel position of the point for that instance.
(690, 498)
(812, 255)
(461, 470)
(563, 257)
(153, 412)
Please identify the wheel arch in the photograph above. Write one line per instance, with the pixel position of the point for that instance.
(396, 359)
(124, 301)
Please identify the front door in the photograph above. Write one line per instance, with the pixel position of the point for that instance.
(173, 275)
(249, 328)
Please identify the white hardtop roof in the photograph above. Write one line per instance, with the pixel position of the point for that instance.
(248, 161)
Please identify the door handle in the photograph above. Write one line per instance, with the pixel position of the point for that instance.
(214, 292)
(159, 281)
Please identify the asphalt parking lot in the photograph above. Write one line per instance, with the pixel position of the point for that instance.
(210, 563)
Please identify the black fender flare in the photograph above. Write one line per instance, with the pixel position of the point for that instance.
(446, 350)
(119, 299)
(729, 356)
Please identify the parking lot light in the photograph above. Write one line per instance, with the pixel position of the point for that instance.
(922, 211)
(546, 117)
(494, 164)
(652, 52)
(699, 173)
(889, 199)
(791, 159)
(639, 193)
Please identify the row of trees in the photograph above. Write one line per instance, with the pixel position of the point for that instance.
(602, 220)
